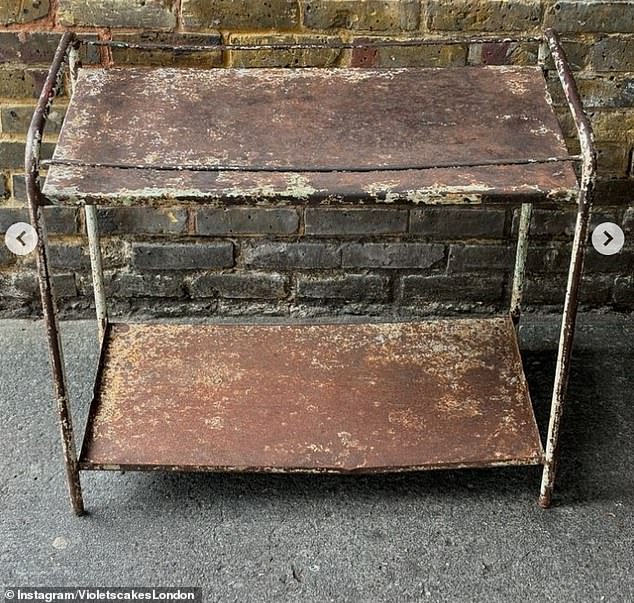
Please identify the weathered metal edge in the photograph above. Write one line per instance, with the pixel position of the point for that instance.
(518, 360)
(556, 197)
(342, 45)
(292, 169)
(88, 466)
(94, 403)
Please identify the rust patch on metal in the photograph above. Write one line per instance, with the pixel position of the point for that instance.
(369, 397)
(348, 117)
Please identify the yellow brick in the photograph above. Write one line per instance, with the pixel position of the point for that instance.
(311, 57)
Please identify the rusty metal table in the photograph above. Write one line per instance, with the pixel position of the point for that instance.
(319, 397)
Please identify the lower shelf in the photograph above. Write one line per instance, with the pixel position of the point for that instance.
(341, 398)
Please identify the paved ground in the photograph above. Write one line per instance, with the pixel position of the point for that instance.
(442, 536)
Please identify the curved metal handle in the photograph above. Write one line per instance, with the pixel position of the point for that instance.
(582, 123)
(51, 87)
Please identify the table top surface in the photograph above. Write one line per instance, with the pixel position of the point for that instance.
(301, 135)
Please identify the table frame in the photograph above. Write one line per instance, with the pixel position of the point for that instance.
(68, 53)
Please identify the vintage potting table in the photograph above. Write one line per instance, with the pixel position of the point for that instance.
(426, 394)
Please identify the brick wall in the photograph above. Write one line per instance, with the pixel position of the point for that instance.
(320, 260)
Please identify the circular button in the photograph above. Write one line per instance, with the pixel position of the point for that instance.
(21, 238)
(608, 238)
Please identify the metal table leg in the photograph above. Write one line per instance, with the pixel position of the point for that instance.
(35, 201)
(586, 187)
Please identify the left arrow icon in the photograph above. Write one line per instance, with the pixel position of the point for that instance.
(21, 238)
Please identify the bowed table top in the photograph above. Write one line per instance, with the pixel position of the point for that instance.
(138, 135)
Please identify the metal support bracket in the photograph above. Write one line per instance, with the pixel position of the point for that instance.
(519, 273)
(90, 216)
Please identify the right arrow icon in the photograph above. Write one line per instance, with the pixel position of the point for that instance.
(608, 238)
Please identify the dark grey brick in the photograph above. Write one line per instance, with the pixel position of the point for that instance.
(4, 192)
(125, 284)
(64, 285)
(240, 285)
(622, 262)
(392, 255)
(6, 257)
(292, 255)
(553, 258)
(254, 309)
(24, 285)
(349, 287)
(548, 258)
(16, 120)
(614, 191)
(246, 220)
(613, 53)
(144, 220)
(68, 257)
(561, 223)
(115, 252)
(594, 290)
(624, 291)
(337, 221)
(454, 288)
(628, 218)
(168, 256)
(59, 220)
(18, 186)
(12, 153)
(458, 223)
(480, 258)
